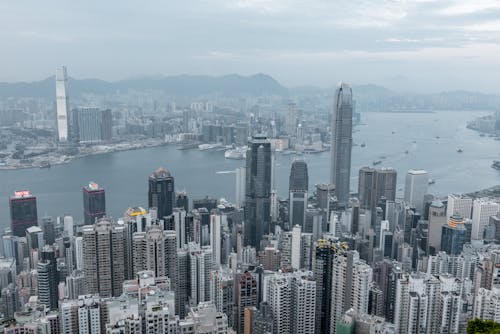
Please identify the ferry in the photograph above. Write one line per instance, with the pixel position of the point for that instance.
(459, 150)
(363, 145)
(431, 181)
(238, 153)
(377, 162)
(496, 165)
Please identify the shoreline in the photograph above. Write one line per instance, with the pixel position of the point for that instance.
(56, 161)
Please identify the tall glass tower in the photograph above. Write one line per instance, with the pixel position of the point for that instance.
(297, 191)
(341, 145)
(257, 190)
(94, 203)
(161, 193)
(62, 103)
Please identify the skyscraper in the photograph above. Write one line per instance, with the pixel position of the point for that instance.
(298, 188)
(341, 147)
(454, 235)
(291, 119)
(23, 212)
(92, 125)
(375, 184)
(240, 186)
(161, 193)
(416, 184)
(459, 204)
(94, 203)
(48, 279)
(104, 258)
(258, 190)
(62, 104)
(482, 210)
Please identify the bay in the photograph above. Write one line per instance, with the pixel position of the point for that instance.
(124, 175)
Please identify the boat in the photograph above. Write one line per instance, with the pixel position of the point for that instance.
(45, 164)
(431, 181)
(496, 165)
(377, 162)
(437, 137)
(363, 145)
(406, 152)
(459, 150)
(238, 153)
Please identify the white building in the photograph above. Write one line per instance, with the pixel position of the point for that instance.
(459, 204)
(240, 186)
(416, 184)
(296, 248)
(216, 223)
(62, 103)
(482, 210)
(487, 305)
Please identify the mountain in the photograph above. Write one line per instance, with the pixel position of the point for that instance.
(180, 85)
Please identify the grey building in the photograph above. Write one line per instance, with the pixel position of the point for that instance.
(298, 190)
(258, 190)
(375, 184)
(161, 194)
(341, 146)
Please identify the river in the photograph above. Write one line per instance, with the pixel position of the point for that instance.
(124, 174)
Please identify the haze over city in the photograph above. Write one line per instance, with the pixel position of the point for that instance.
(418, 46)
(250, 167)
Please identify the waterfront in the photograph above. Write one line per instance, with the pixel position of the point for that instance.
(124, 174)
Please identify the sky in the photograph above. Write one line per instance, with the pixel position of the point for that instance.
(418, 46)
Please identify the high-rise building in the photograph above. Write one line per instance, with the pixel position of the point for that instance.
(62, 104)
(482, 210)
(437, 219)
(104, 258)
(240, 186)
(92, 125)
(375, 184)
(246, 296)
(94, 203)
(23, 212)
(258, 190)
(48, 279)
(428, 304)
(200, 266)
(454, 235)
(351, 283)
(416, 184)
(217, 221)
(297, 190)
(325, 253)
(161, 192)
(222, 291)
(459, 204)
(292, 299)
(341, 147)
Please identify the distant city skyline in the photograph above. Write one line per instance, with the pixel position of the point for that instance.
(418, 46)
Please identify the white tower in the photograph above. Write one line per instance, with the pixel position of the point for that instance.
(62, 104)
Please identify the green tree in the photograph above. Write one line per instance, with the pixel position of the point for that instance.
(478, 326)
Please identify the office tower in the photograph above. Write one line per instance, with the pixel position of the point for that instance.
(259, 321)
(94, 203)
(291, 119)
(48, 279)
(351, 283)
(23, 212)
(62, 104)
(459, 204)
(437, 219)
(416, 184)
(240, 186)
(92, 125)
(296, 248)
(454, 235)
(325, 194)
(341, 146)
(217, 221)
(246, 296)
(9, 301)
(106, 125)
(161, 193)
(482, 210)
(375, 184)
(104, 258)
(428, 304)
(182, 200)
(297, 190)
(48, 227)
(258, 190)
(222, 291)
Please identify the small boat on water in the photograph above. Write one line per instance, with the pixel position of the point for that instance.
(377, 162)
(496, 165)
(45, 164)
(431, 181)
(459, 150)
(363, 145)
(238, 153)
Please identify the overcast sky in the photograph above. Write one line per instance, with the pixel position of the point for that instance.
(420, 45)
